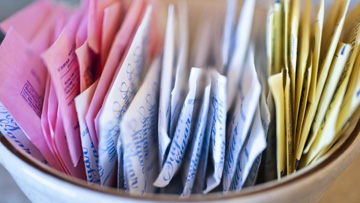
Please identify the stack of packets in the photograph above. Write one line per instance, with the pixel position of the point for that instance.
(314, 61)
(107, 93)
(149, 97)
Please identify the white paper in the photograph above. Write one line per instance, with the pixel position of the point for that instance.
(248, 94)
(255, 144)
(253, 174)
(166, 85)
(90, 154)
(183, 130)
(218, 130)
(242, 38)
(182, 72)
(118, 100)
(10, 128)
(120, 166)
(139, 135)
(199, 184)
(193, 156)
(228, 31)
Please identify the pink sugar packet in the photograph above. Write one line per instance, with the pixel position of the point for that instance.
(22, 86)
(111, 24)
(122, 38)
(81, 33)
(96, 15)
(52, 110)
(44, 117)
(37, 12)
(87, 65)
(61, 22)
(48, 120)
(44, 36)
(62, 65)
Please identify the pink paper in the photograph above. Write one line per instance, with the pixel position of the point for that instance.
(111, 24)
(62, 65)
(87, 66)
(44, 118)
(52, 116)
(22, 85)
(96, 15)
(45, 35)
(46, 127)
(156, 35)
(122, 39)
(61, 21)
(52, 110)
(29, 20)
(61, 146)
(82, 32)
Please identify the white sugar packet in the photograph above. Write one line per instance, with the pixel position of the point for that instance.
(200, 177)
(119, 98)
(120, 166)
(139, 135)
(242, 38)
(228, 32)
(247, 100)
(184, 128)
(182, 72)
(217, 129)
(90, 154)
(255, 144)
(253, 173)
(11, 130)
(166, 85)
(193, 154)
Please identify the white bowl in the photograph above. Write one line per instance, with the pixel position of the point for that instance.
(41, 183)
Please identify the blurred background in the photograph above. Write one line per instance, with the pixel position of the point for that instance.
(344, 189)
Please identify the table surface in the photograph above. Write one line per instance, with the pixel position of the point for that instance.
(344, 189)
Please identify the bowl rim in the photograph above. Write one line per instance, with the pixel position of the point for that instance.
(246, 192)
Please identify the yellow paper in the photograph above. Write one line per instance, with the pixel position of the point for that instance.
(288, 123)
(277, 42)
(351, 17)
(330, 45)
(270, 41)
(329, 24)
(317, 36)
(285, 5)
(337, 66)
(325, 65)
(352, 96)
(276, 87)
(304, 41)
(292, 44)
(340, 137)
(303, 101)
(327, 130)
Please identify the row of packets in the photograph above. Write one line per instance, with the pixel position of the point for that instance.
(104, 94)
(314, 62)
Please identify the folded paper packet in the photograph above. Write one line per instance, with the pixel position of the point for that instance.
(154, 97)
